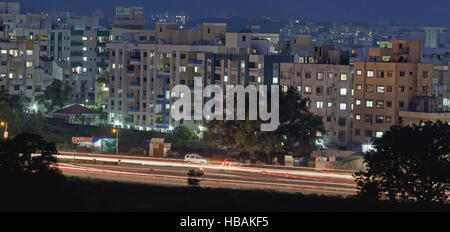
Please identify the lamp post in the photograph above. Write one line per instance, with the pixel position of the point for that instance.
(5, 134)
(116, 131)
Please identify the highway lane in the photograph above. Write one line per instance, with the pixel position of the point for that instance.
(175, 173)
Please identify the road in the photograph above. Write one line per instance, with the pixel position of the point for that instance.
(174, 172)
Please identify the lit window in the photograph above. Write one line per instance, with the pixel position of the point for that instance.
(358, 102)
(285, 88)
(379, 134)
(369, 103)
(380, 89)
(84, 48)
(299, 88)
(330, 104)
(84, 38)
(319, 104)
(259, 79)
(225, 78)
(358, 87)
(343, 91)
(182, 68)
(196, 69)
(29, 52)
(85, 58)
(369, 73)
(29, 64)
(275, 80)
(330, 75)
(358, 117)
(359, 72)
(307, 89)
(319, 76)
(4, 51)
(343, 106)
(343, 76)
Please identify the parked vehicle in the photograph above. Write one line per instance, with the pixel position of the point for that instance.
(195, 158)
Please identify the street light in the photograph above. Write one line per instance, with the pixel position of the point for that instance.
(116, 131)
(5, 134)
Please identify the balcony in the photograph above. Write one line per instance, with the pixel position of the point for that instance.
(163, 76)
(195, 62)
(129, 121)
(135, 86)
(76, 43)
(135, 60)
(134, 110)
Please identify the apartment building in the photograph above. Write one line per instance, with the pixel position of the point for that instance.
(441, 87)
(130, 18)
(141, 77)
(392, 81)
(23, 71)
(88, 58)
(328, 87)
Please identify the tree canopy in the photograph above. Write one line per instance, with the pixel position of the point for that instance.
(56, 95)
(409, 164)
(295, 135)
(16, 156)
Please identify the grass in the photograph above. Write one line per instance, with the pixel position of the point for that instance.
(78, 194)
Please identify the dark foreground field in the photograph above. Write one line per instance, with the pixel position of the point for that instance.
(76, 194)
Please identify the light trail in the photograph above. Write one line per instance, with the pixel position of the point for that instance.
(210, 180)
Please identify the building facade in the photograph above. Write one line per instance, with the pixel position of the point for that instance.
(393, 80)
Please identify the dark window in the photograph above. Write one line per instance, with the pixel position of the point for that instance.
(368, 118)
(389, 88)
(380, 74)
(401, 104)
(341, 122)
(307, 75)
(357, 131)
(368, 133)
(388, 104)
(425, 74)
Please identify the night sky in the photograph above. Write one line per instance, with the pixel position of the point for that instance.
(411, 12)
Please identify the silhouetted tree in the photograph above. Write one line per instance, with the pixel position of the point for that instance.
(181, 136)
(295, 135)
(17, 157)
(409, 164)
(56, 95)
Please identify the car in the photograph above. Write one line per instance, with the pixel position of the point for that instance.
(230, 162)
(195, 158)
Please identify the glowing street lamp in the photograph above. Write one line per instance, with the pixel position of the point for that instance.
(5, 134)
(116, 131)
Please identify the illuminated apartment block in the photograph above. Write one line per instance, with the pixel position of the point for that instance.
(392, 81)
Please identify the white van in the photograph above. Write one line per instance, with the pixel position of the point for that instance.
(194, 158)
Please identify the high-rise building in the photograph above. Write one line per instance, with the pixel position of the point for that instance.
(392, 81)
(130, 18)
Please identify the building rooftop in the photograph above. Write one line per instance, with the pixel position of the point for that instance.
(75, 109)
